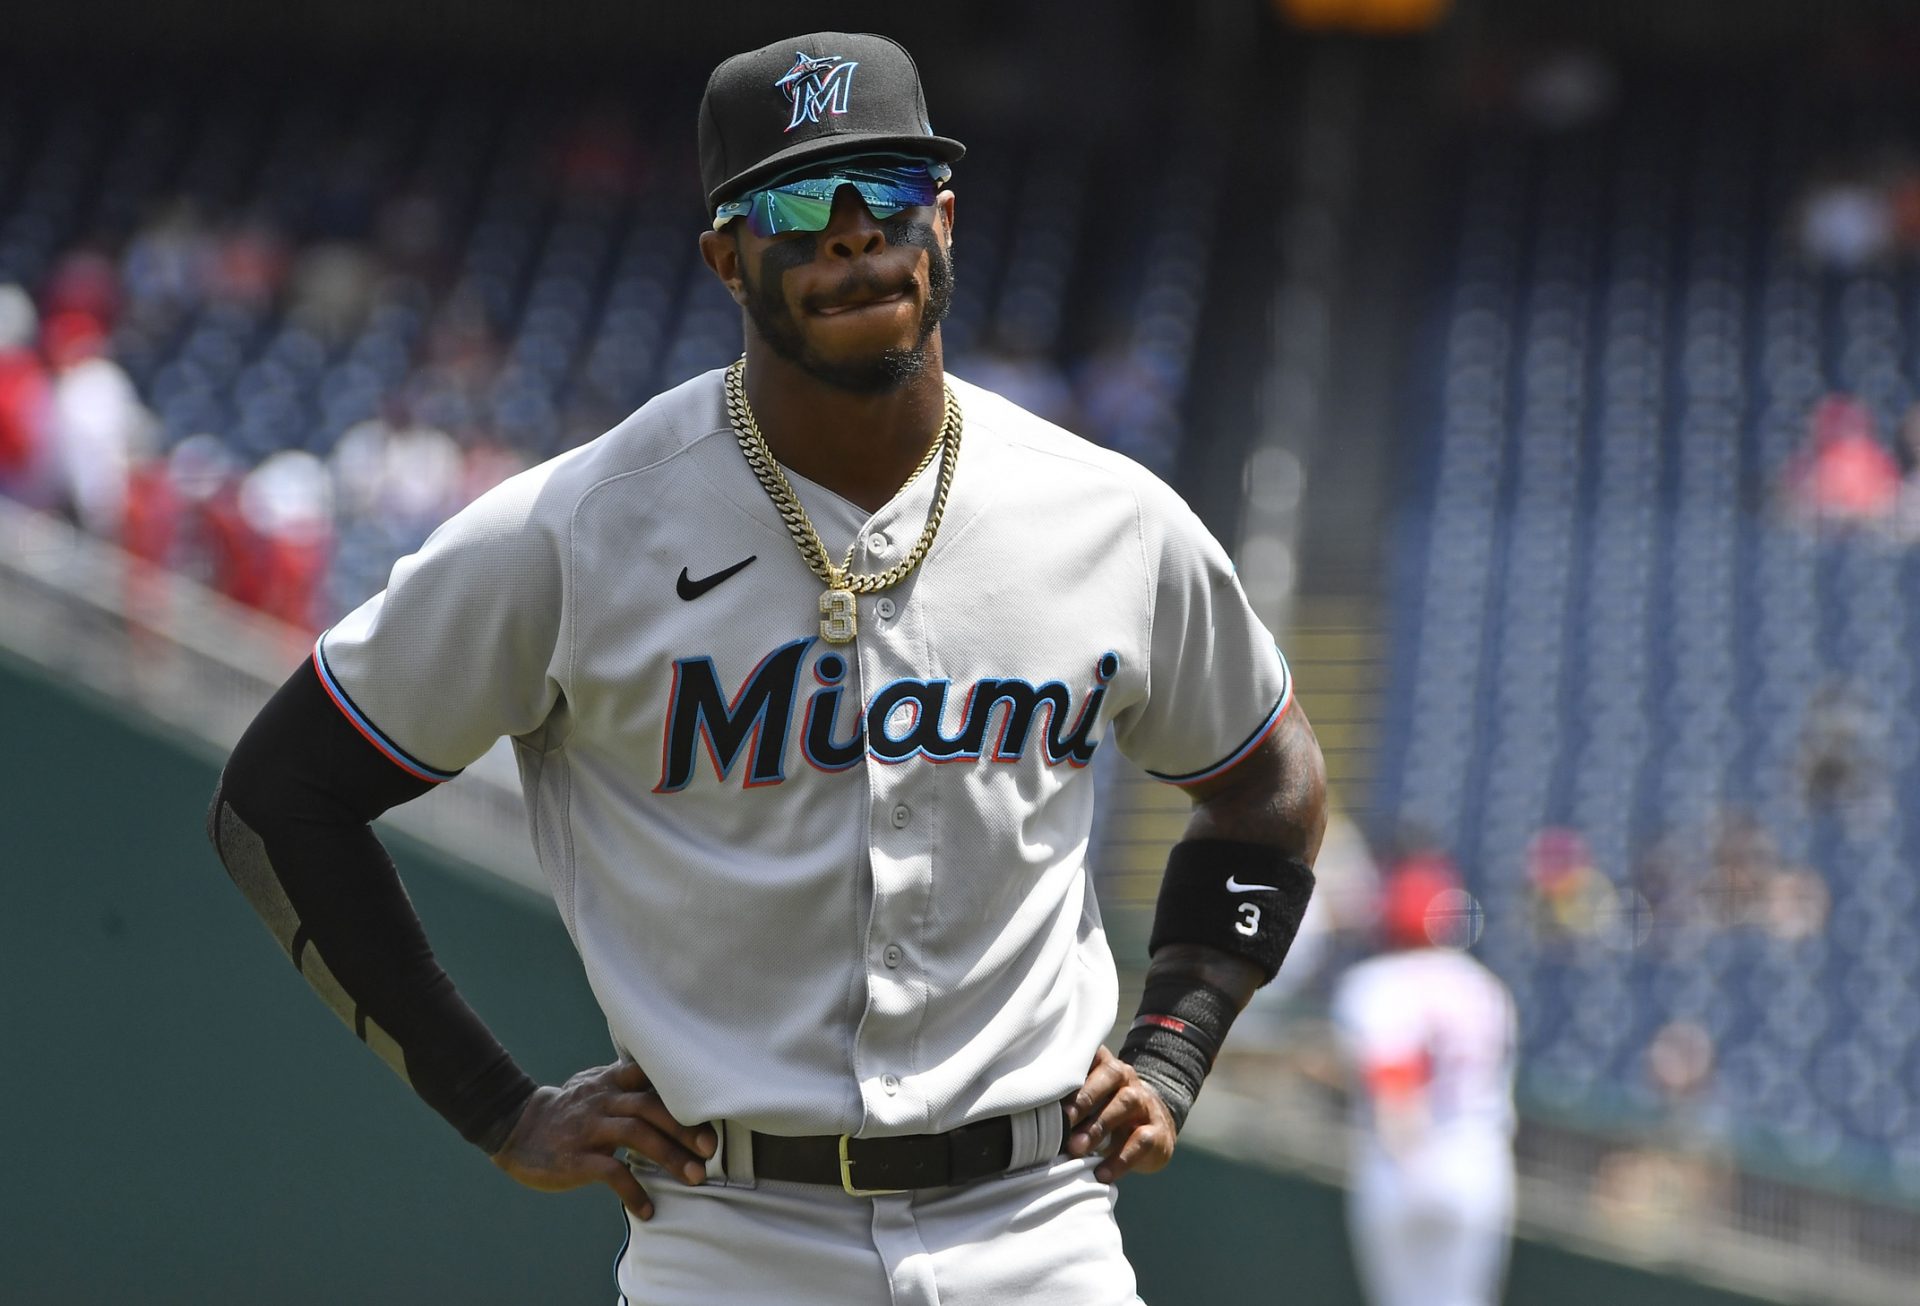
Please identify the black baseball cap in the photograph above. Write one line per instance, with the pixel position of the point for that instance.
(811, 97)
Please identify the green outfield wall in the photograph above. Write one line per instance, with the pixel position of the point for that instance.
(187, 1124)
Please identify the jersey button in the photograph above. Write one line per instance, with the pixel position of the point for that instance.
(892, 955)
(891, 1083)
(901, 815)
(884, 608)
(877, 542)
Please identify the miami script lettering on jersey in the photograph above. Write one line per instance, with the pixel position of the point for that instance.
(998, 719)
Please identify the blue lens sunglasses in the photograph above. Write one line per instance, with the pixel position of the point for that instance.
(886, 185)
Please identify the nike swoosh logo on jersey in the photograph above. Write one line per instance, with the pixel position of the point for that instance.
(690, 590)
(1234, 886)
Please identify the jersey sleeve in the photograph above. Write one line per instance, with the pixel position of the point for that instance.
(1216, 683)
(464, 645)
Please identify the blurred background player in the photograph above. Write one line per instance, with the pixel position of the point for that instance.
(1428, 1034)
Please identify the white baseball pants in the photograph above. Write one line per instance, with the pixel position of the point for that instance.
(1044, 1236)
(1434, 1229)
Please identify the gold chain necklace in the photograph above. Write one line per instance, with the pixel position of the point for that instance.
(839, 614)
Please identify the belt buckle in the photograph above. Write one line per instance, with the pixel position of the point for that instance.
(846, 1175)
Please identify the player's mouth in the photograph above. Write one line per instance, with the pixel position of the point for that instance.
(864, 299)
(858, 305)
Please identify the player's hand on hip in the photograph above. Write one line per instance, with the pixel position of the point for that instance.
(573, 1135)
(1118, 1114)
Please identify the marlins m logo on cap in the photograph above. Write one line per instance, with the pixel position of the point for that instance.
(817, 86)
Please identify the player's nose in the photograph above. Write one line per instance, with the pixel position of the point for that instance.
(852, 230)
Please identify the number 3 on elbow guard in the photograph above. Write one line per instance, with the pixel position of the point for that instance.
(1249, 922)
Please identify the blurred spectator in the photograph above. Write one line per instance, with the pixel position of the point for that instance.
(410, 238)
(488, 462)
(394, 480)
(287, 502)
(1844, 475)
(250, 263)
(601, 155)
(1571, 898)
(331, 289)
(149, 527)
(232, 545)
(203, 475)
(1126, 405)
(1028, 377)
(150, 524)
(1846, 223)
(1752, 885)
(85, 284)
(99, 427)
(26, 400)
(1796, 905)
(1745, 859)
(1656, 1195)
(401, 474)
(1429, 1035)
(1838, 761)
(169, 262)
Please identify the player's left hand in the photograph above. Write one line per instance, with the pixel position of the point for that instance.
(1118, 1114)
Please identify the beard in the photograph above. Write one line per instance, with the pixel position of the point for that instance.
(885, 371)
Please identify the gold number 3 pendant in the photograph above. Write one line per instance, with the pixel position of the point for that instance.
(839, 617)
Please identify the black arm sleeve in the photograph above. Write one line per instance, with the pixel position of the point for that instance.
(290, 822)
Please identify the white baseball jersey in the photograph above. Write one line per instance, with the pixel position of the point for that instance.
(1441, 1010)
(822, 888)
(1430, 1216)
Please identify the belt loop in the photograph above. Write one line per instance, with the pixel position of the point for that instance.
(732, 1161)
(1036, 1135)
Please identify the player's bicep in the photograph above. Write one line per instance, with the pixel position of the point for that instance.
(1276, 793)
(302, 761)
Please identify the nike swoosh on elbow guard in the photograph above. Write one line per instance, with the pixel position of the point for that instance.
(1234, 886)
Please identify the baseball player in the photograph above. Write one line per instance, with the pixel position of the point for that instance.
(1429, 1035)
(803, 664)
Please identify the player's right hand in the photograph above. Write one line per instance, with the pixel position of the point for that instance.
(571, 1136)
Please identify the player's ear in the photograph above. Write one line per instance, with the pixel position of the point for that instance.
(721, 253)
(944, 202)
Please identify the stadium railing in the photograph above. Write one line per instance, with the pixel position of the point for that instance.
(202, 665)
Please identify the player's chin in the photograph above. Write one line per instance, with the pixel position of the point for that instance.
(870, 371)
(860, 345)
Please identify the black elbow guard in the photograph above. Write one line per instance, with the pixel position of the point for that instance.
(1245, 899)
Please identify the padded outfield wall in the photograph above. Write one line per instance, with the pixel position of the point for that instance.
(188, 1125)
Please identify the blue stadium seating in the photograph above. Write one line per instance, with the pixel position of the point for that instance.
(1602, 621)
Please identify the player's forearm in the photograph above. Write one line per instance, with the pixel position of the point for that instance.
(1197, 963)
(1235, 890)
(290, 823)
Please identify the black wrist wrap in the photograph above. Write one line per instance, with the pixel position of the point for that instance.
(1241, 898)
(1173, 1041)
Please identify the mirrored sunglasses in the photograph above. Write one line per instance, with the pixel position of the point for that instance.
(806, 203)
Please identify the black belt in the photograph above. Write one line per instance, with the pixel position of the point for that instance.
(865, 1166)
